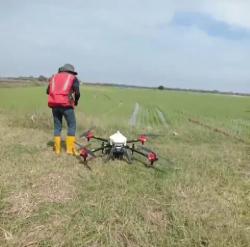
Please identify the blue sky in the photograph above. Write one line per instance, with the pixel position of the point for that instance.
(201, 44)
(209, 25)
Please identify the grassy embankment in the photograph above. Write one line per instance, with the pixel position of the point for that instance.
(197, 196)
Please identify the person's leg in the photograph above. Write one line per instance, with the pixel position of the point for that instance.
(57, 117)
(69, 115)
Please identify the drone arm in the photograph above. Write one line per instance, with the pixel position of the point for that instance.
(100, 139)
(132, 141)
(151, 156)
(141, 139)
(100, 148)
(136, 151)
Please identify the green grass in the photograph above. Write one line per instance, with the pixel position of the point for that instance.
(198, 194)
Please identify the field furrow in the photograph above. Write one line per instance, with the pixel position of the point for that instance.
(133, 118)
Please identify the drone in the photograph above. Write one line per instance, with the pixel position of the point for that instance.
(116, 147)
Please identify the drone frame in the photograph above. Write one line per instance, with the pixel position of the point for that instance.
(108, 149)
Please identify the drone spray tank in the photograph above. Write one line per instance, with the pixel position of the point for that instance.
(118, 139)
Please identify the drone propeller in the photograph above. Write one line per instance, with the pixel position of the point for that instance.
(84, 151)
(84, 134)
(150, 135)
(151, 155)
(88, 134)
(142, 138)
(160, 156)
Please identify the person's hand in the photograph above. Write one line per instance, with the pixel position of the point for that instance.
(76, 103)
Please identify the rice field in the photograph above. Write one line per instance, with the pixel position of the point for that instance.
(197, 195)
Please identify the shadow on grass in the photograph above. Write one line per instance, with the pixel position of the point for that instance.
(159, 166)
(84, 162)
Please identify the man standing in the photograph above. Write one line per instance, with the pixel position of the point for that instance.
(63, 95)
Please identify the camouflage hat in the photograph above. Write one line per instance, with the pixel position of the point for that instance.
(67, 68)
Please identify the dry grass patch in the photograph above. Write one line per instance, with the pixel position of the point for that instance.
(47, 234)
(21, 204)
(54, 187)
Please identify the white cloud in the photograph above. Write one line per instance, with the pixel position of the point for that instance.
(234, 12)
(125, 41)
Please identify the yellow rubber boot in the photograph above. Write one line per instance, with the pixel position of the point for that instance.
(57, 144)
(70, 145)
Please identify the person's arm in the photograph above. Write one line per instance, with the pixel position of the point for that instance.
(76, 90)
(47, 91)
(48, 85)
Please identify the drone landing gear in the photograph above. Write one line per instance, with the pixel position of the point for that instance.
(109, 152)
(128, 156)
(112, 154)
